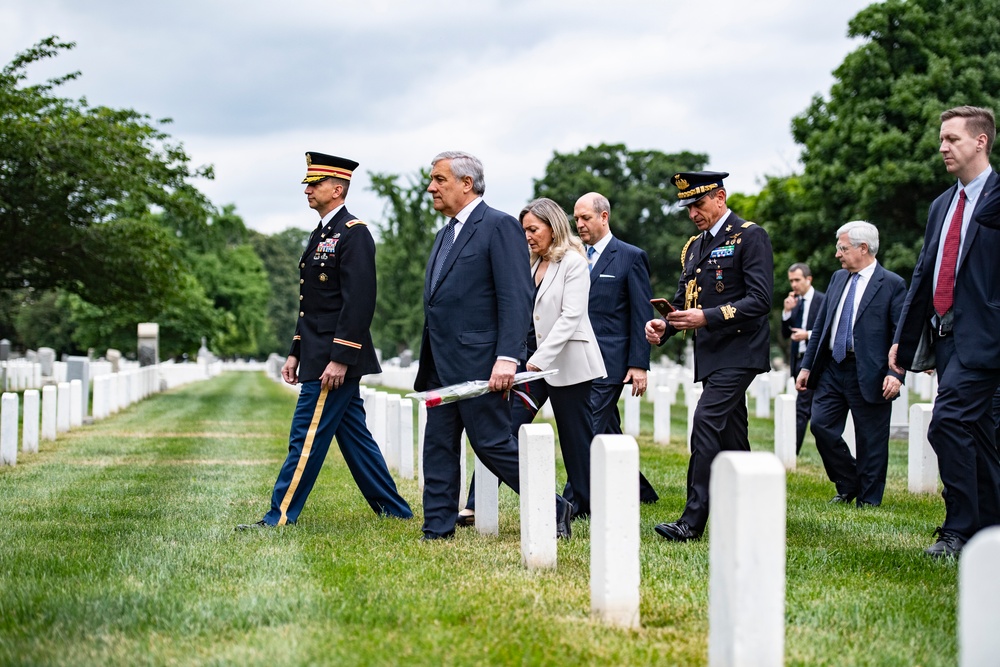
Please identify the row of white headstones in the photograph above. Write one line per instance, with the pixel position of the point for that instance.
(746, 534)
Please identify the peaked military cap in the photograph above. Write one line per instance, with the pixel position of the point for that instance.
(320, 166)
(693, 185)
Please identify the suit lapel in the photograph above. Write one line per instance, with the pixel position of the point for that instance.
(604, 259)
(989, 190)
(549, 278)
(468, 229)
(873, 287)
(836, 292)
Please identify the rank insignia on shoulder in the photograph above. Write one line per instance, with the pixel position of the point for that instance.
(728, 311)
(748, 224)
(356, 222)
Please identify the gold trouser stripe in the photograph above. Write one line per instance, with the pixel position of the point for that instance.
(304, 457)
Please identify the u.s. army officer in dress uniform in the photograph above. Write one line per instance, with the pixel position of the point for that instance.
(724, 299)
(331, 349)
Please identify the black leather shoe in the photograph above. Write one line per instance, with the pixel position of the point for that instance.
(678, 531)
(431, 537)
(466, 520)
(843, 498)
(254, 526)
(864, 504)
(564, 518)
(949, 544)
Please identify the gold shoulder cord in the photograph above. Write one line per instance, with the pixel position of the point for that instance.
(691, 293)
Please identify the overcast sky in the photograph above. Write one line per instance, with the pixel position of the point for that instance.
(252, 85)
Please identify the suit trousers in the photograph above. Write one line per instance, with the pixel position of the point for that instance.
(838, 392)
(321, 414)
(962, 435)
(803, 413)
(720, 424)
(604, 410)
(486, 420)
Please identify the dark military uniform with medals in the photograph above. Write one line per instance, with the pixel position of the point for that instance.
(729, 277)
(336, 305)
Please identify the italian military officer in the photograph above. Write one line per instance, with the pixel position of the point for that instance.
(331, 349)
(723, 299)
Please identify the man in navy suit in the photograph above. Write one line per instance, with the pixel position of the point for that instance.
(798, 317)
(847, 366)
(619, 305)
(331, 349)
(724, 299)
(951, 322)
(478, 298)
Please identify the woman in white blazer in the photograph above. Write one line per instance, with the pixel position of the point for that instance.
(561, 337)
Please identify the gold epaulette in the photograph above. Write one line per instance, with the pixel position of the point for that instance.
(747, 224)
(687, 245)
(356, 222)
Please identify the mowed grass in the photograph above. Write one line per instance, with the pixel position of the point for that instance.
(117, 548)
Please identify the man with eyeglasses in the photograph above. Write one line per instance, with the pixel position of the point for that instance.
(846, 365)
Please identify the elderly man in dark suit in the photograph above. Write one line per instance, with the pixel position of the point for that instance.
(619, 305)
(331, 349)
(951, 322)
(846, 364)
(798, 317)
(478, 297)
(724, 299)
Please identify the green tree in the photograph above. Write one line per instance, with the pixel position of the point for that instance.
(406, 236)
(870, 147)
(75, 183)
(280, 254)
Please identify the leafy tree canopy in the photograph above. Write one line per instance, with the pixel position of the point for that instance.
(75, 184)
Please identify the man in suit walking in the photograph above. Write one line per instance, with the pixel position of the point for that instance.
(724, 299)
(619, 305)
(478, 297)
(950, 322)
(847, 366)
(331, 349)
(798, 316)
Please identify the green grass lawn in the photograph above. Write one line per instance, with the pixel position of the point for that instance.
(117, 548)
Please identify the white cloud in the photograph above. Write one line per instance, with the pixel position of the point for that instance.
(252, 86)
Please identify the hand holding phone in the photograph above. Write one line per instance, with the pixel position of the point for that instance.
(663, 306)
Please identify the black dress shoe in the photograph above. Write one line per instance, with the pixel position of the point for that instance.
(430, 537)
(949, 544)
(466, 520)
(678, 531)
(843, 498)
(564, 518)
(254, 526)
(864, 504)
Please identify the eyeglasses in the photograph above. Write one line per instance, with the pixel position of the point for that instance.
(843, 248)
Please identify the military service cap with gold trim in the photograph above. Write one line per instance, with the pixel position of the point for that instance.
(320, 166)
(693, 185)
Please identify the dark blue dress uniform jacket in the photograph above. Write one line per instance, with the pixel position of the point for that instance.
(336, 300)
(734, 290)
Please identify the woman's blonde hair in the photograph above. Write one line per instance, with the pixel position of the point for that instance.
(552, 215)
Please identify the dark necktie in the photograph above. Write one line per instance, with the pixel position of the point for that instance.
(944, 294)
(845, 327)
(591, 250)
(446, 243)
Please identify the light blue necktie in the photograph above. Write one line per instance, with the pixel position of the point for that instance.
(845, 327)
(591, 251)
(446, 243)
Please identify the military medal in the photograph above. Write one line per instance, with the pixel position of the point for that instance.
(719, 287)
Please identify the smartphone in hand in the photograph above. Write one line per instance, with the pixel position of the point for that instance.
(663, 306)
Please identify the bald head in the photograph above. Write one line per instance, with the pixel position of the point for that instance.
(592, 213)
